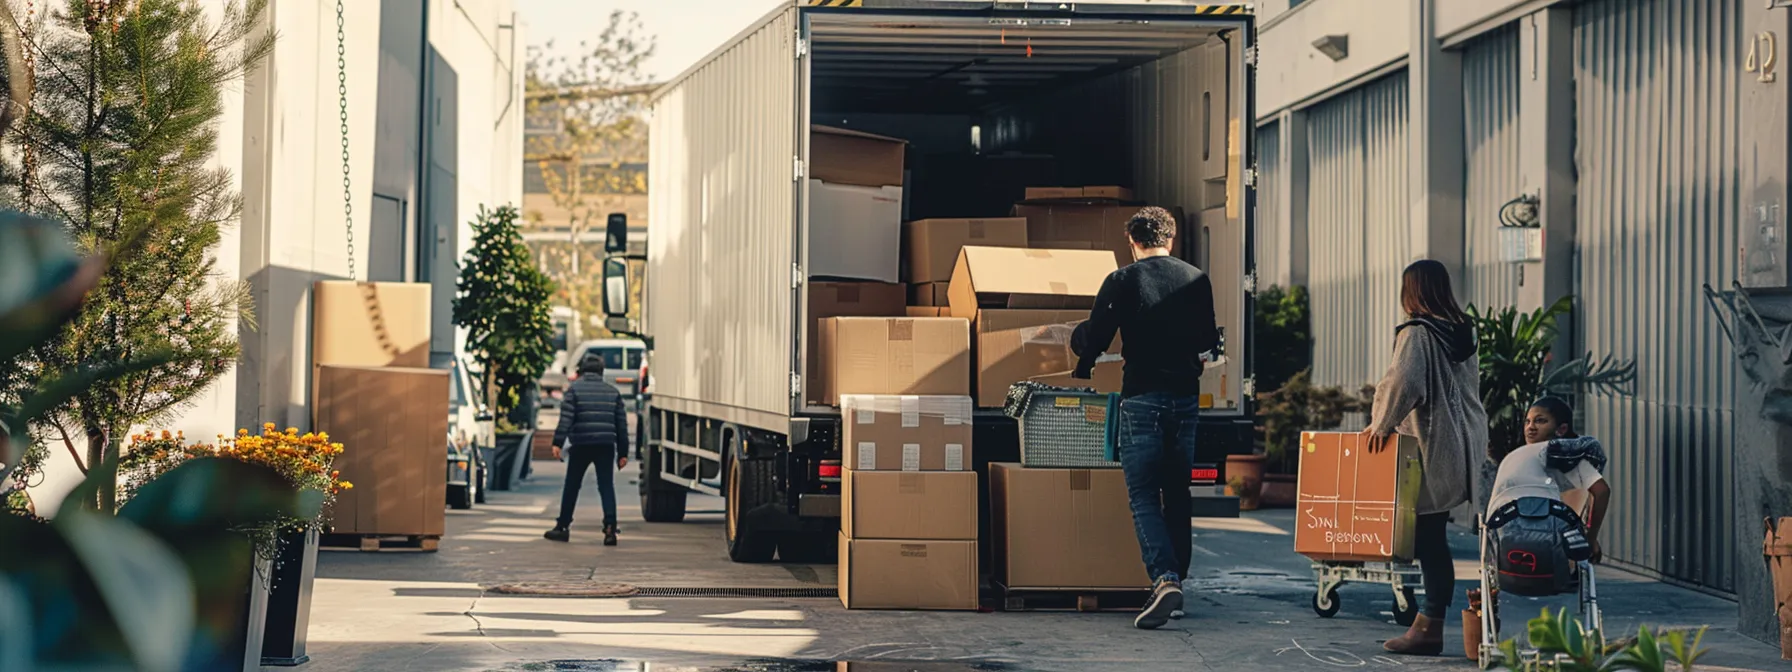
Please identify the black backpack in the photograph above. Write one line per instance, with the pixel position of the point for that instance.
(1538, 544)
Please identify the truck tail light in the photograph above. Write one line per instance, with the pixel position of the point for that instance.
(1204, 475)
(828, 469)
(625, 381)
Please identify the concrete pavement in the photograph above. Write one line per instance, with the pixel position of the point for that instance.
(1249, 604)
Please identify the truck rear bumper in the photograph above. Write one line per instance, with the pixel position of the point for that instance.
(818, 506)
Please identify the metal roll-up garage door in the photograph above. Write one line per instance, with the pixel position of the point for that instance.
(1357, 229)
(1490, 150)
(1656, 88)
(1272, 231)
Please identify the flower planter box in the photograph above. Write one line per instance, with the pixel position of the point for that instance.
(1244, 480)
(289, 601)
(1279, 491)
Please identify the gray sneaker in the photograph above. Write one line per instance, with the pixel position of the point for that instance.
(1166, 600)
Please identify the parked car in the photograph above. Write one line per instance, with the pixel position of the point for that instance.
(471, 437)
(622, 364)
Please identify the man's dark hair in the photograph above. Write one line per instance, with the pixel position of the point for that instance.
(1152, 227)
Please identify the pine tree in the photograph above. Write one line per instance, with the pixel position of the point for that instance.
(503, 303)
(115, 147)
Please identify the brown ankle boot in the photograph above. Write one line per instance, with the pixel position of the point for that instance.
(1424, 638)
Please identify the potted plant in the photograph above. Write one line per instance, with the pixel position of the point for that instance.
(285, 548)
(503, 302)
(1244, 480)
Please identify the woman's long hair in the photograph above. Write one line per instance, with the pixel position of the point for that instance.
(1425, 292)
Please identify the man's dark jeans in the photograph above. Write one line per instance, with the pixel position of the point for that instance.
(579, 459)
(1157, 448)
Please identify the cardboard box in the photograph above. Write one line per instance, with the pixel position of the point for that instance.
(845, 299)
(932, 294)
(1064, 193)
(1353, 504)
(928, 311)
(1005, 277)
(840, 156)
(1080, 226)
(905, 433)
(855, 233)
(916, 505)
(898, 574)
(880, 355)
(1064, 528)
(393, 427)
(931, 245)
(1777, 551)
(1017, 345)
(370, 324)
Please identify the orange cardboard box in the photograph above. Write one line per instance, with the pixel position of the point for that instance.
(1355, 505)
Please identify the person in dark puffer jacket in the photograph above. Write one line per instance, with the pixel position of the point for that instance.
(593, 432)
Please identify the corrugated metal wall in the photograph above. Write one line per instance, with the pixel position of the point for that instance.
(722, 216)
(1272, 231)
(1490, 116)
(1357, 211)
(1656, 88)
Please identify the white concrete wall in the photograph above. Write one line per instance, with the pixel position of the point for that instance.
(1292, 71)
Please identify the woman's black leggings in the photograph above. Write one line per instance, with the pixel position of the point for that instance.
(1431, 547)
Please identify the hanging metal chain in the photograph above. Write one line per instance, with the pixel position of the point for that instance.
(348, 201)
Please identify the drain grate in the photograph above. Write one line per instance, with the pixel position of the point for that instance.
(649, 591)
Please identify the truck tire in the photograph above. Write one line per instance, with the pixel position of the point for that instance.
(749, 485)
(661, 502)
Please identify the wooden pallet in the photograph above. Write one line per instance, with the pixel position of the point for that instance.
(1070, 599)
(417, 543)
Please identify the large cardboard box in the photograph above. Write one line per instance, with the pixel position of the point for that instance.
(1017, 345)
(918, 505)
(840, 156)
(931, 245)
(845, 299)
(370, 324)
(1063, 528)
(1083, 226)
(901, 355)
(906, 433)
(907, 574)
(393, 427)
(855, 233)
(1356, 505)
(1776, 549)
(931, 294)
(1006, 277)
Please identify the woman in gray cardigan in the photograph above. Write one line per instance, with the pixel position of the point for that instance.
(1432, 391)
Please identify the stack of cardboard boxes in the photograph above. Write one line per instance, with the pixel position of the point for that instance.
(908, 517)
(983, 304)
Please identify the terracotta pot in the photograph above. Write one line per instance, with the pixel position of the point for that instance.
(1279, 491)
(1244, 479)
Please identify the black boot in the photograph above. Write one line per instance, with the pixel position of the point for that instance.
(609, 535)
(557, 534)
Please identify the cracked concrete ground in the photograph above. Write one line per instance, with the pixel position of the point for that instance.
(1249, 604)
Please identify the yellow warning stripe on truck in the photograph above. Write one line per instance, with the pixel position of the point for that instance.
(836, 3)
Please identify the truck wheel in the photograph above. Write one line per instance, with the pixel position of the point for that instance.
(661, 502)
(809, 548)
(749, 485)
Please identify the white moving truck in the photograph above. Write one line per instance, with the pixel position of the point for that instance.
(991, 97)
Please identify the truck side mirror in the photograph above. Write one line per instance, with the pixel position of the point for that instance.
(616, 234)
(616, 294)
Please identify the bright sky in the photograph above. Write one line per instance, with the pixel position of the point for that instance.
(687, 29)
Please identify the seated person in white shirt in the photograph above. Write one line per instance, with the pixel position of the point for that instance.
(1555, 463)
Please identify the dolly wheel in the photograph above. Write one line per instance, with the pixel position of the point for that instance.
(1326, 604)
(1406, 615)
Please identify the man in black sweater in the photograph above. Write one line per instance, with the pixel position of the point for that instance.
(593, 432)
(1163, 309)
